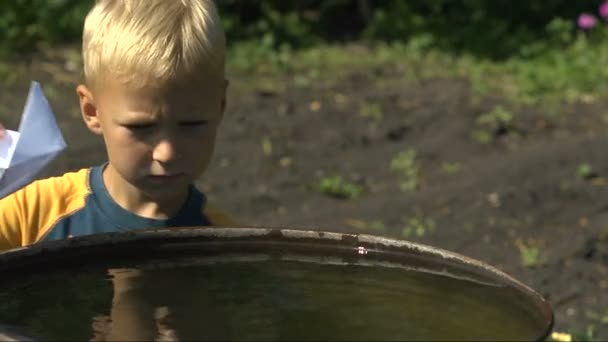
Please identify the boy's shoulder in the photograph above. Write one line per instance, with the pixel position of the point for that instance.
(64, 188)
(68, 192)
(27, 214)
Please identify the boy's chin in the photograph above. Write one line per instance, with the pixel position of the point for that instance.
(165, 187)
(167, 195)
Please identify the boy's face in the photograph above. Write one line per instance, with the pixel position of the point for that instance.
(159, 141)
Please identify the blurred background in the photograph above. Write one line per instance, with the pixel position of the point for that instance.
(475, 126)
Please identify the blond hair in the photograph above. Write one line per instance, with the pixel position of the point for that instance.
(152, 42)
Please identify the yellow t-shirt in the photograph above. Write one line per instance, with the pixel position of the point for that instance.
(78, 203)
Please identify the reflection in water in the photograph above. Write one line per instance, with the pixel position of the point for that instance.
(149, 307)
(265, 300)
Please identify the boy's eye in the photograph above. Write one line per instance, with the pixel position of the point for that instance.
(139, 127)
(187, 124)
(193, 123)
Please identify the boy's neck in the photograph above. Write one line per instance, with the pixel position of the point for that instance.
(134, 200)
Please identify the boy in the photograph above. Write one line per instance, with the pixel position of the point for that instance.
(155, 90)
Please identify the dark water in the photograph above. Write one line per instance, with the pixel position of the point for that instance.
(251, 299)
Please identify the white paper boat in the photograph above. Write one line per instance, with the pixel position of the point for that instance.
(24, 154)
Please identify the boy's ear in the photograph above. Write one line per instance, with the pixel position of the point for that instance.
(88, 109)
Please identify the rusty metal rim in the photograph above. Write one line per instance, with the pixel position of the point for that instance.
(355, 243)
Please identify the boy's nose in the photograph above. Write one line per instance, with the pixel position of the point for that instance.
(165, 152)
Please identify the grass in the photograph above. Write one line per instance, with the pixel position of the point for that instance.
(418, 226)
(546, 75)
(451, 168)
(489, 124)
(371, 110)
(337, 187)
(585, 171)
(529, 254)
(266, 145)
(408, 168)
(601, 318)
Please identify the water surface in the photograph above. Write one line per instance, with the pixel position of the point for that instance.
(260, 298)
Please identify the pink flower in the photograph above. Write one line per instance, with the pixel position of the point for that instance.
(586, 21)
(603, 10)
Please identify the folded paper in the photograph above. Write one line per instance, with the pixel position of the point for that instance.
(7, 149)
(24, 154)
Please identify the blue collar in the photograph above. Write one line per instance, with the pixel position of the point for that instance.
(191, 212)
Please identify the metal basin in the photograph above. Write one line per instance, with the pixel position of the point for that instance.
(206, 283)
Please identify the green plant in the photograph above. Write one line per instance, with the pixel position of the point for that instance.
(601, 318)
(496, 119)
(547, 64)
(418, 226)
(585, 171)
(407, 167)
(9, 74)
(371, 110)
(266, 146)
(530, 255)
(26, 25)
(336, 186)
(588, 335)
(451, 167)
(550, 75)
(482, 136)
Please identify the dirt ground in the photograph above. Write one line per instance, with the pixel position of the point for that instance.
(520, 189)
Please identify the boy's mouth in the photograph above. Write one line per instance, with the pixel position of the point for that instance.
(166, 177)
